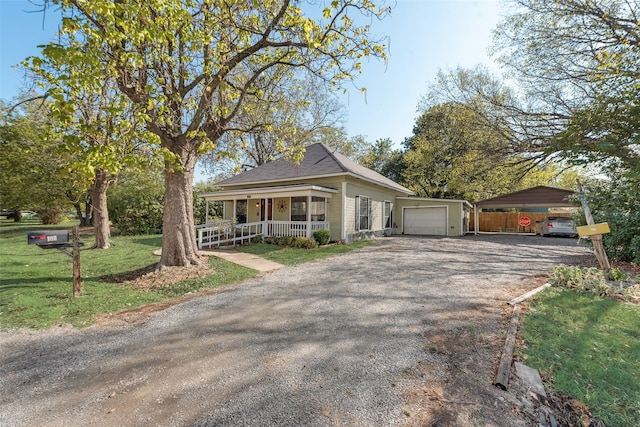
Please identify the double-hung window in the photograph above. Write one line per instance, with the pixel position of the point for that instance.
(387, 214)
(318, 208)
(298, 208)
(363, 213)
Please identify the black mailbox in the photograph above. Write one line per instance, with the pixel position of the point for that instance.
(48, 237)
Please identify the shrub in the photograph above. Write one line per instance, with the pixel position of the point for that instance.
(271, 240)
(135, 205)
(285, 241)
(322, 236)
(257, 239)
(616, 283)
(304, 243)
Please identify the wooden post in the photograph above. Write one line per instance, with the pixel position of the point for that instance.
(504, 369)
(598, 246)
(77, 280)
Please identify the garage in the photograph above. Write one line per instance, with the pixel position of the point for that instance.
(425, 220)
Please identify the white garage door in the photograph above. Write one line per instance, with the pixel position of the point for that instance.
(430, 221)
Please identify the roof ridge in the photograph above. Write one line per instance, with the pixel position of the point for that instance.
(331, 153)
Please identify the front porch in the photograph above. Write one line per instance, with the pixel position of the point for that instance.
(226, 233)
(241, 215)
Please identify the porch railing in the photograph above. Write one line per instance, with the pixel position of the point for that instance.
(226, 233)
(293, 228)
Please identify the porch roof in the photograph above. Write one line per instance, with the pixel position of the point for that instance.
(271, 192)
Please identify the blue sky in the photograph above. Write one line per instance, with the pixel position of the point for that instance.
(424, 36)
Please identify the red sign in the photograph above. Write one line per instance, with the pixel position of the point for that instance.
(524, 221)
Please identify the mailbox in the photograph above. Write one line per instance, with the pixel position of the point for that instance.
(47, 237)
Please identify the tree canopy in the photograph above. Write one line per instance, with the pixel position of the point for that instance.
(191, 67)
(454, 154)
(578, 61)
(30, 164)
(291, 117)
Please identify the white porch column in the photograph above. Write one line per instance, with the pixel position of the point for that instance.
(309, 215)
(206, 215)
(269, 219)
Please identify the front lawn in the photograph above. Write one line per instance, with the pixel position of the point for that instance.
(36, 285)
(292, 256)
(589, 348)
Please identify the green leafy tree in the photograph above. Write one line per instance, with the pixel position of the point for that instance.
(291, 117)
(135, 202)
(191, 66)
(453, 154)
(616, 202)
(30, 166)
(384, 159)
(99, 127)
(577, 63)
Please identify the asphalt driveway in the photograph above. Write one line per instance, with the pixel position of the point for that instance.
(331, 342)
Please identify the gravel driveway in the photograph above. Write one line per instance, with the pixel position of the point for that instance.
(328, 343)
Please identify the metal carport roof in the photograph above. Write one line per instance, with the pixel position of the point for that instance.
(535, 197)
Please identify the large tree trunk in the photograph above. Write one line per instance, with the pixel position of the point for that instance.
(98, 194)
(179, 246)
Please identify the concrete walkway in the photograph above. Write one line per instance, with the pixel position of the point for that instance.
(246, 260)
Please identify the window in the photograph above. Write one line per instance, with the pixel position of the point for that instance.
(363, 213)
(298, 208)
(318, 209)
(387, 214)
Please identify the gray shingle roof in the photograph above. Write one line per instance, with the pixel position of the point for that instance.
(319, 160)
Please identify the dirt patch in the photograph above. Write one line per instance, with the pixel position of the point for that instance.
(147, 279)
(457, 388)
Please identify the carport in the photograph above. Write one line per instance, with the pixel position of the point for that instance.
(536, 197)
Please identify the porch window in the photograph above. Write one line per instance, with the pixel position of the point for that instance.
(363, 213)
(298, 209)
(318, 209)
(241, 211)
(387, 214)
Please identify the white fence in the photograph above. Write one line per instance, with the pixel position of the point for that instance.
(226, 233)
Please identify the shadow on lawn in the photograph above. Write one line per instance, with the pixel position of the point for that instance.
(127, 276)
(152, 240)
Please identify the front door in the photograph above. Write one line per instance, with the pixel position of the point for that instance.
(266, 209)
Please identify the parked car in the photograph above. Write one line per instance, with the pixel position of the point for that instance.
(28, 214)
(557, 226)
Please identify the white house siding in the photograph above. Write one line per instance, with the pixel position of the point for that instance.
(378, 196)
(228, 210)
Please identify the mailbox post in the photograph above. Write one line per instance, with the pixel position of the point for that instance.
(59, 239)
(596, 234)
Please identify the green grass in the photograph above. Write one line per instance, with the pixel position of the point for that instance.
(36, 285)
(293, 256)
(590, 348)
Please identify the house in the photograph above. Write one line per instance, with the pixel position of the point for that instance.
(326, 190)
